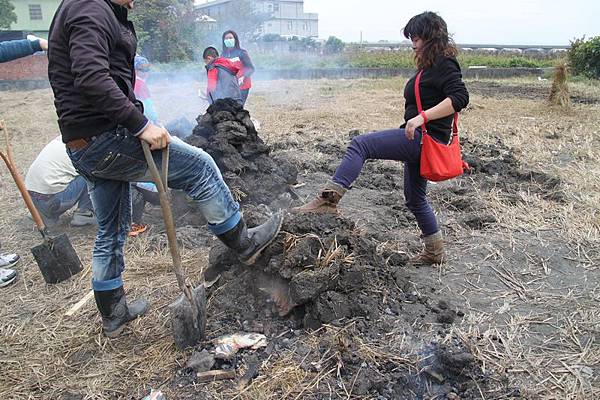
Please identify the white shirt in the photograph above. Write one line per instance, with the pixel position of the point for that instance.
(52, 170)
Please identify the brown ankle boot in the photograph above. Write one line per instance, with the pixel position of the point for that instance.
(325, 203)
(433, 253)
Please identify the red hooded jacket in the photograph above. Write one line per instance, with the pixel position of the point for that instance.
(222, 80)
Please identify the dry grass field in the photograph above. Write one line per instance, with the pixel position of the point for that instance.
(523, 234)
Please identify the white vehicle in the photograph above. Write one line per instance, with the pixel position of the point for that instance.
(511, 50)
(534, 51)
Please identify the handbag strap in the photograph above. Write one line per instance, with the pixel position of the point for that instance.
(420, 106)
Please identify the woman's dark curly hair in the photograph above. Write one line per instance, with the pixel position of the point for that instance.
(432, 29)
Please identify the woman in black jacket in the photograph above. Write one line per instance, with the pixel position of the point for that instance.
(240, 58)
(443, 93)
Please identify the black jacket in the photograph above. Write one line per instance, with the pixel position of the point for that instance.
(442, 80)
(92, 46)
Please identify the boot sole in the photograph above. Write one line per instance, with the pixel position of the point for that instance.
(11, 264)
(116, 333)
(425, 262)
(252, 259)
(8, 282)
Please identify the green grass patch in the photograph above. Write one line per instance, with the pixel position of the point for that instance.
(358, 59)
(400, 59)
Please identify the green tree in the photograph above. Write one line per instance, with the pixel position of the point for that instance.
(584, 57)
(334, 45)
(7, 14)
(166, 29)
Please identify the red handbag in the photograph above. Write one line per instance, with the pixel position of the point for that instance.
(439, 162)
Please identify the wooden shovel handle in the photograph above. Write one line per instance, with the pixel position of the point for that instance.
(165, 204)
(10, 164)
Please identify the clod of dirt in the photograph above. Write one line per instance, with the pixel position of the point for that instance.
(397, 260)
(201, 361)
(451, 368)
(479, 222)
(308, 284)
(446, 317)
(456, 361)
(227, 133)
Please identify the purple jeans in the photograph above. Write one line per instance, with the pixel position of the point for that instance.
(391, 145)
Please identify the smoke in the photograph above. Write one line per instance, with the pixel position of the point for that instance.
(175, 93)
(175, 87)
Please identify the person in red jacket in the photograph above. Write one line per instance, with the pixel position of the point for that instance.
(234, 53)
(222, 77)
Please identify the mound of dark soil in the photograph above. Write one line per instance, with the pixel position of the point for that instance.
(227, 133)
(529, 92)
(321, 265)
(496, 166)
(323, 270)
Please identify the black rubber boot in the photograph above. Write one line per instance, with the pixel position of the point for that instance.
(115, 311)
(249, 243)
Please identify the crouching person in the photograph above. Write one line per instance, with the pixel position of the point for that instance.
(141, 193)
(56, 187)
(91, 51)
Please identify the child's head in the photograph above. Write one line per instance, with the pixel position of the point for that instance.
(142, 66)
(210, 54)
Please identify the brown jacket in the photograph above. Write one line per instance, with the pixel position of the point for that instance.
(91, 50)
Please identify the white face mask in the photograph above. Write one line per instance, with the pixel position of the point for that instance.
(229, 43)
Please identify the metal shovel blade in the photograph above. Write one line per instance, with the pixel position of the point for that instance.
(57, 259)
(185, 331)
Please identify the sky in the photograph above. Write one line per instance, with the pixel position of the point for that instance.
(527, 22)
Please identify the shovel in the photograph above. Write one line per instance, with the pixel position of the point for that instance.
(188, 313)
(56, 257)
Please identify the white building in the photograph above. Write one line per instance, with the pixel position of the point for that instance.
(288, 16)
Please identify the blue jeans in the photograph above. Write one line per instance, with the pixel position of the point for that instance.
(139, 198)
(115, 158)
(57, 204)
(392, 145)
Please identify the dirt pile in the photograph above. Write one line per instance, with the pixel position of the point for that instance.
(325, 275)
(496, 166)
(227, 133)
(320, 265)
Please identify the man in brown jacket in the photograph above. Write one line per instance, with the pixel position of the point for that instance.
(92, 46)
